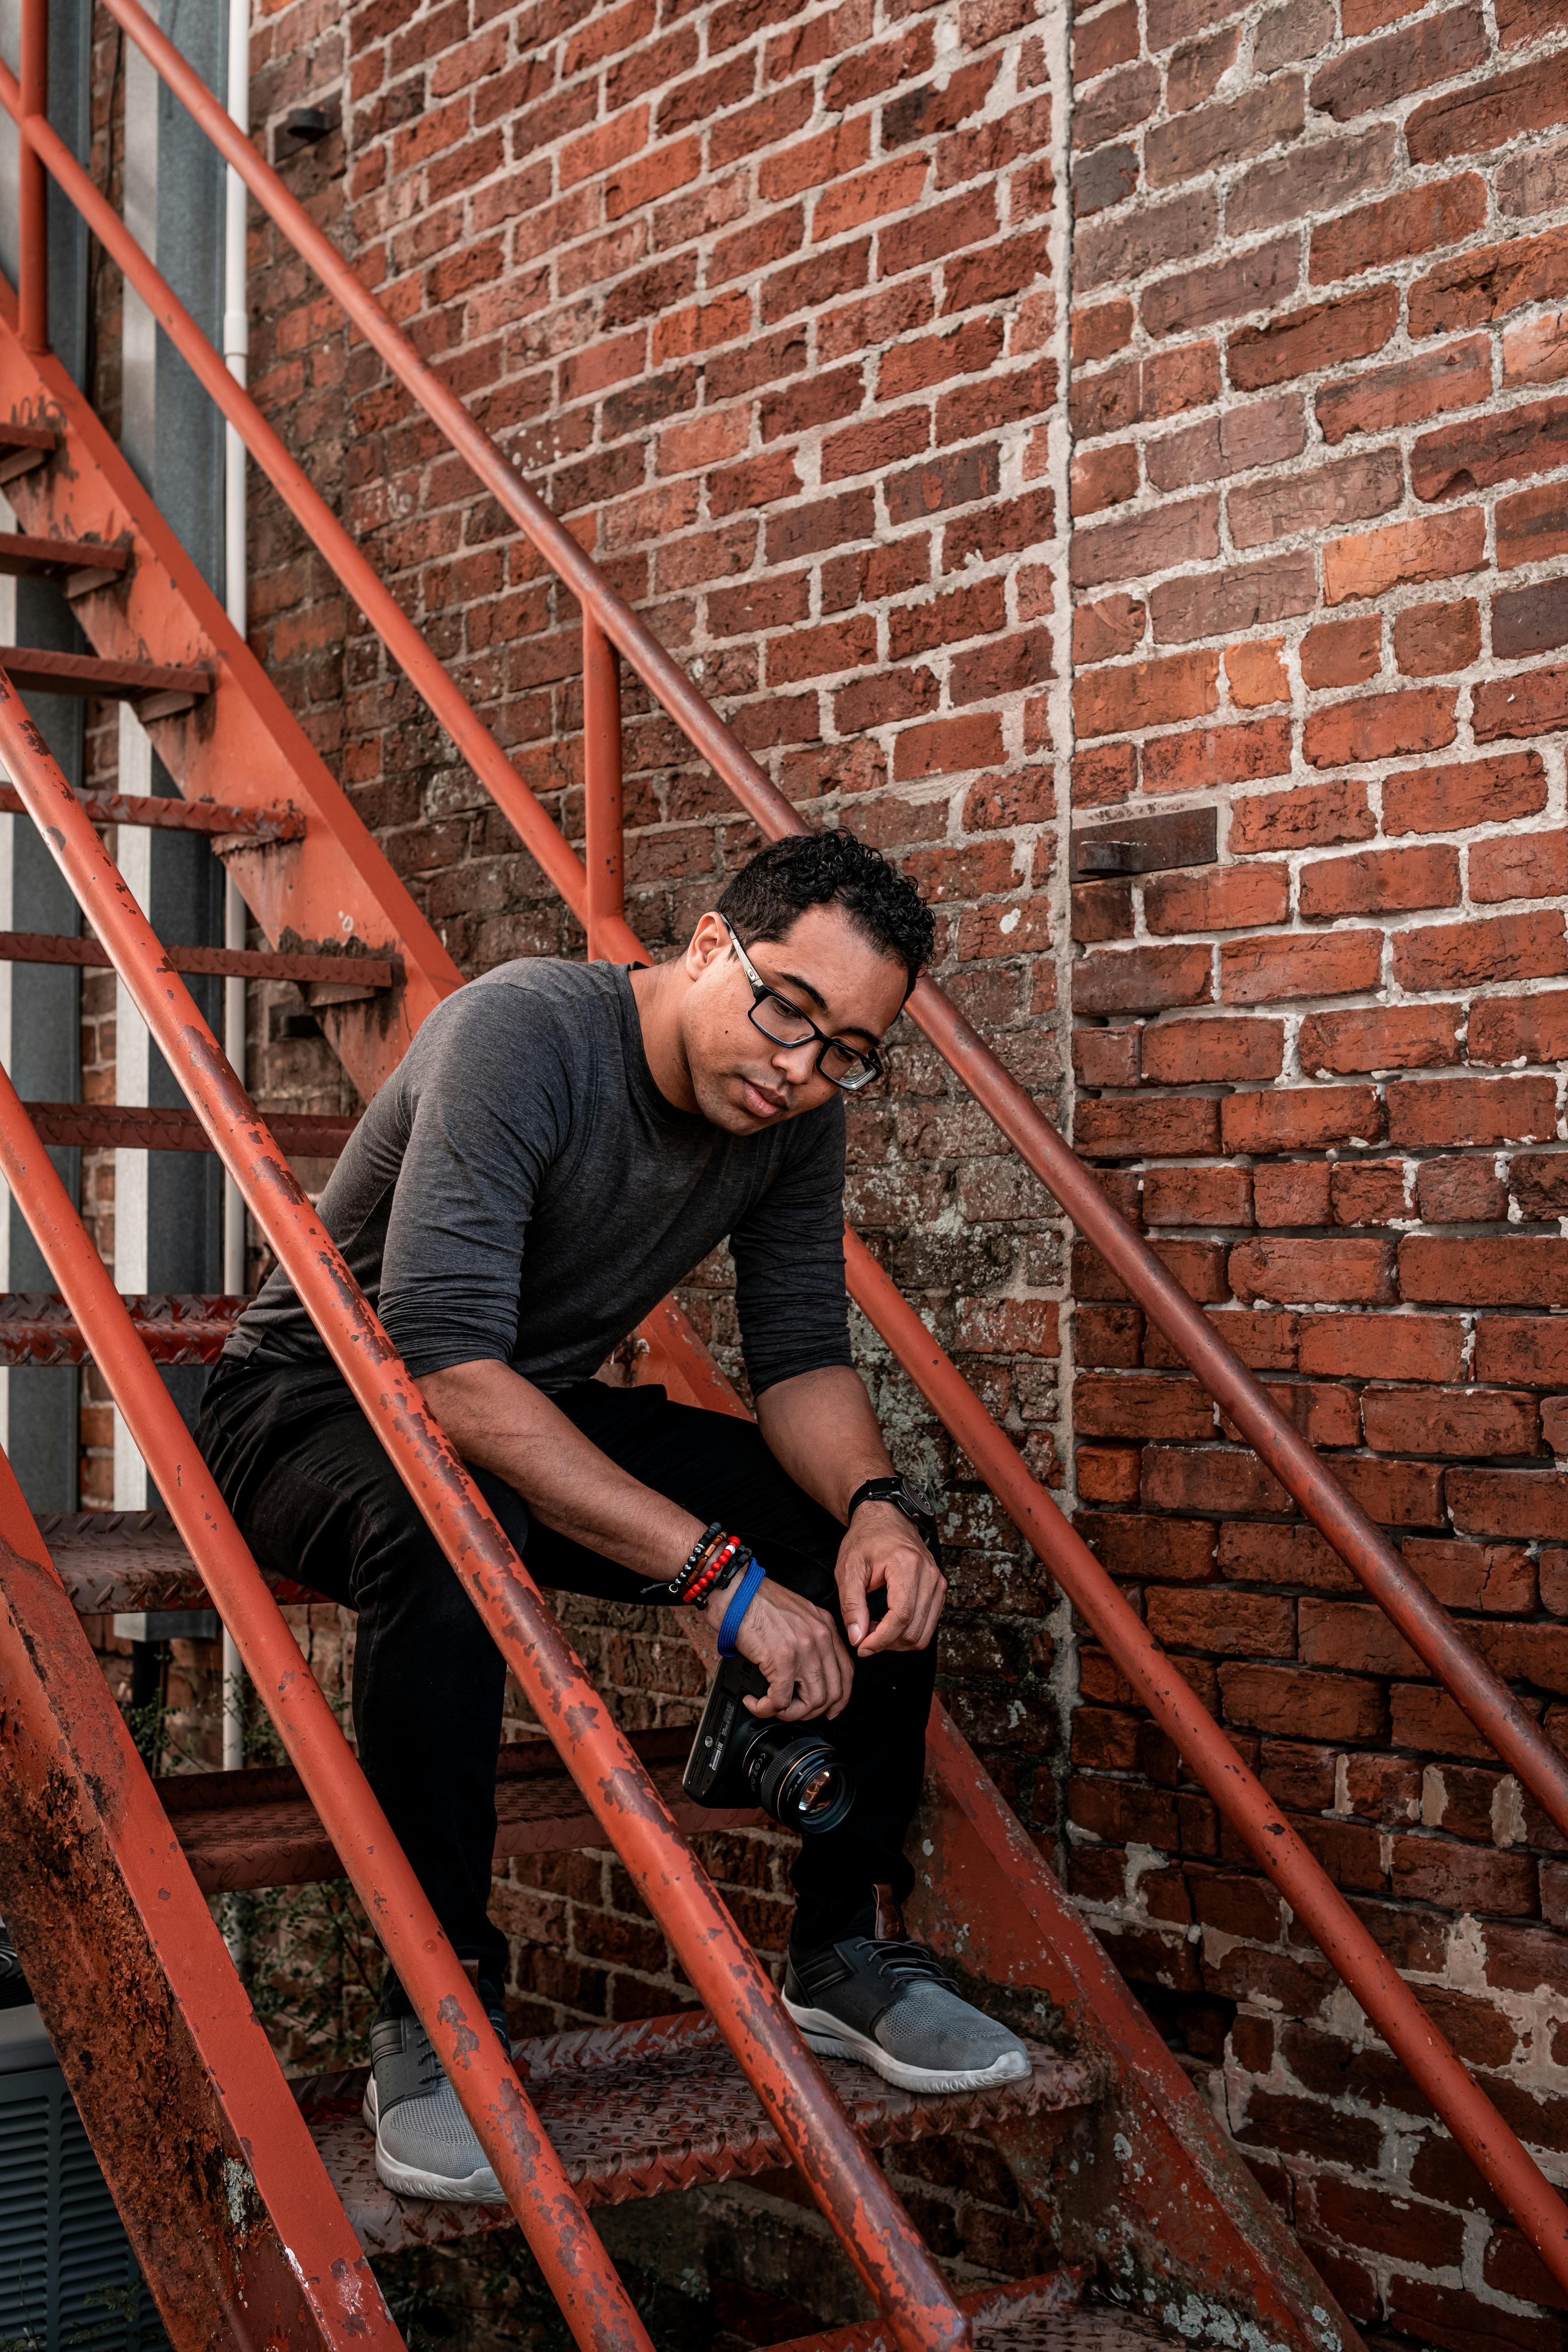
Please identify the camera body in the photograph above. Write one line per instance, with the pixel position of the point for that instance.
(790, 1770)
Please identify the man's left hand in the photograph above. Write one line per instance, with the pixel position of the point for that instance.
(883, 1553)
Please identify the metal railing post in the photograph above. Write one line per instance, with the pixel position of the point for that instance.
(32, 194)
(602, 813)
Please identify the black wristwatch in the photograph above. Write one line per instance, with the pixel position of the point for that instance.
(916, 1503)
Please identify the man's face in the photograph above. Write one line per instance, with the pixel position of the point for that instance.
(826, 968)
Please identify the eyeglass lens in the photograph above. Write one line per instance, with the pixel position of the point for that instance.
(787, 1026)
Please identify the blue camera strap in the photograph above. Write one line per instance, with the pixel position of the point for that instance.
(744, 1595)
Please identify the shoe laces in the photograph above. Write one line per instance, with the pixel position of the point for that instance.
(904, 1960)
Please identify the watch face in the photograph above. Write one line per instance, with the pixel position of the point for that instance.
(917, 1498)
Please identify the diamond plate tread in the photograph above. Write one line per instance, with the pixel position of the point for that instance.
(635, 2111)
(109, 1560)
(1039, 2314)
(257, 1828)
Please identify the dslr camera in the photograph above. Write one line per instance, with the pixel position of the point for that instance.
(789, 1769)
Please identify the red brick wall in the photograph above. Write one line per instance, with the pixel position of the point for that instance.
(761, 298)
(1314, 265)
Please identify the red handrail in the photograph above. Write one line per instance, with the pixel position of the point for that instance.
(1508, 1727)
(875, 2231)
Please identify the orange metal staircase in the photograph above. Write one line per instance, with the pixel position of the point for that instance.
(252, 2208)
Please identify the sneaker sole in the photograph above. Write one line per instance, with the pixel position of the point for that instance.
(405, 2180)
(830, 2038)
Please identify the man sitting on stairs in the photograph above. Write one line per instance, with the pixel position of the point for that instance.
(561, 1145)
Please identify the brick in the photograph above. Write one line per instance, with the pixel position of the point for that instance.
(1105, 774)
(1106, 631)
(1470, 954)
(1196, 71)
(1316, 179)
(1255, 673)
(1490, 113)
(1119, 102)
(1369, 1192)
(1298, 1194)
(1343, 653)
(1171, 1550)
(1142, 979)
(1281, 1555)
(1521, 866)
(1324, 335)
(1295, 1702)
(1196, 1196)
(1225, 1624)
(1519, 1272)
(1143, 1130)
(1472, 792)
(1391, 1037)
(1104, 478)
(1420, 221)
(1208, 1478)
(1463, 458)
(1380, 727)
(1146, 694)
(1108, 39)
(1099, 331)
(1141, 392)
(1113, 253)
(1539, 1181)
(1430, 640)
(1208, 757)
(1535, 350)
(947, 747)
(1353, 490)
(1107, 1473)
(1531, 620)
(1301, 1118)
(1177, 533)
(1518, 1505)
(1143, 1405)
(1307, 816)
(1460, 1193)
(1189, 1051)
(1377, 72)
(1379, 881)
(1226, 899)
(1327, 1273)
(959, 479)
(1529, 1029)
(1363, 1347)
(1211, 137)
(1380, 400)
(1489, 282)
(1473, 1576)
(1531, 527)
(1340, 1634)
(1223, 601)
(1253, 280)
(1374, 561)
(1261, 433)
(1285, 964)
(1454, 1423)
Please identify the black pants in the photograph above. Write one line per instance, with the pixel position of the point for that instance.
(317, 1499)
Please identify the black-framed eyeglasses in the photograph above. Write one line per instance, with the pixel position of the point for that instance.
(785, 1024)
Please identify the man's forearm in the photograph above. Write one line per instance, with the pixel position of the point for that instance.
(503, 1423)
(821, 1427)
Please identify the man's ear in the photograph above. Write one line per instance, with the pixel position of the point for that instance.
(707, 942)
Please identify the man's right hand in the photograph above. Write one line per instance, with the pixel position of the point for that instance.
(796, 1645)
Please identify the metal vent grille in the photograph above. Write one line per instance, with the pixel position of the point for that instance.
(68, 2280)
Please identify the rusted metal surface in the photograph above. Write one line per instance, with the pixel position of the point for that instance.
(1497, 2152)
(95, 1126)
(32, 192)
(569, 2254)
(875, 2231)
(1166, 2198)
(37, 1328)
(645, 2110)
(212, 2167)
(90, 674)
(253, 1828)
(1035, 2315)
(179, 816)
(244, 963)
(23, 557)
(112, 1560)
(605, 844)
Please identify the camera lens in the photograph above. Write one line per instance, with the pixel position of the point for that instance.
(798, 1780)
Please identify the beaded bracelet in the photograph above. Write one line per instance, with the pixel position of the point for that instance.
(714, 1562)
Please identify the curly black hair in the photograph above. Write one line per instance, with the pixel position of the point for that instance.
(774, 888)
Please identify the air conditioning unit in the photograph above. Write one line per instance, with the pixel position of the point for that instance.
(67, 2276)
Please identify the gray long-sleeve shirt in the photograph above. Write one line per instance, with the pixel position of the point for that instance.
(520, 1190)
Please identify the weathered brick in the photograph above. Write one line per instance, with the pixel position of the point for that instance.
(1497, 948)
(1323, 336)
(1211, 137)
(1527, 1029)
(1379, 881)
(1197, 1196)
(1318, 178)
(1432, 639)
(1489, 282)
(1118, 1130)
(1208, 757)
(1300, 1118)
(1251, 280)
(1140, 391)
(1177, 533)
(1443, 213)
(1464, 458)
(1490, 113)
(1363, 1347)
(1471, 792)
(1113, 252)
(1224, 600)
(1307, 815)
(1195, 1050)
(1296, 1702)
(1142, 979)
(1523, 866)
(1519, 1272)
(1377, 72)
(1141, 1406)
(1349, 1273)
(1352, 490)
(1223, 899)
(1376, 561)
(1391, 1037)
(1146, 694)
(1532, 526)
(1379, 400)
(1380, 727)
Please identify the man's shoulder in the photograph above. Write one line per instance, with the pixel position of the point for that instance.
(534, 994)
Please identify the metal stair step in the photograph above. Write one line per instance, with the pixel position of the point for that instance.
(339, 977)
(37, 1328)
(159, 690)
(178, 816)
(24, 447)
(1040, 2314)
(130, 1127)
(85, 566)
(637, 2110)
(257, 1828)
(110, 1561)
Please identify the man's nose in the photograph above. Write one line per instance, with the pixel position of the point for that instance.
(796, 1063)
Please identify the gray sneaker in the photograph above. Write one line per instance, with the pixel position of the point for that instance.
(425, 2143)
(886, 2002)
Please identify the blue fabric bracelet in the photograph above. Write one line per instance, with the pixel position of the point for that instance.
(745, 1594)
